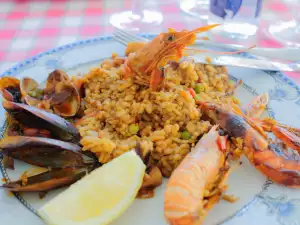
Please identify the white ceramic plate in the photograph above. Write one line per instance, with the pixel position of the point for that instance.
(261, 201)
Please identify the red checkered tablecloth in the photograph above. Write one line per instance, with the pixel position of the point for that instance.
(30, 27)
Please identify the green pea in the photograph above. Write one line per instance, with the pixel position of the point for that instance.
(32, 93)
(186, 135)
(133, 128)
(197, 97)
(199, 88)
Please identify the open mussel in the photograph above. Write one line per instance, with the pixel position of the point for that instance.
(33, 117)
(47, 181)
(10, 89)
(65, 162)
(45, 152)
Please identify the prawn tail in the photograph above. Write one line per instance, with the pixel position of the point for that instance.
(278, 168)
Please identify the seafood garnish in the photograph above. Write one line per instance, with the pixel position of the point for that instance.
(37, 118)
(197, 183)
(150, 114)
(60, 95)
(10, 89)
(290, 136)
(145, 61)
(44, 152)
(46, 181)
(257, 106)
(66, 100)
(54, 78)
(63, 94)
(66, 162)
(280, 168)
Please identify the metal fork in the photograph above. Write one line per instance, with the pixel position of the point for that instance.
(292, 54)
(124, 38)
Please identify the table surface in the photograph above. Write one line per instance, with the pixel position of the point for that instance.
(30, 27)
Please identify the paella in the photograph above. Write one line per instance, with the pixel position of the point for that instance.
(179, 116)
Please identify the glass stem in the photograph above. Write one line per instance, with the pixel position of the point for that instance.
(297, 30)
(137, 8)
(297, 19)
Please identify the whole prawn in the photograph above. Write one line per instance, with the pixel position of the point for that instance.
(282, 168)
(146, 60)
(196, 184)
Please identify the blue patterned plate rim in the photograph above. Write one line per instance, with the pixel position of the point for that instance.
(30, 60)
(13, 70)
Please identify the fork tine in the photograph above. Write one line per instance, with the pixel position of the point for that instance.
(120, 40)
(128, 36)
(125, 33)
(132, 36)
(124, 37)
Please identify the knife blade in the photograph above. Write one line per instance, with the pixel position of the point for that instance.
(286, 53)
(263, 64)
(250, 63)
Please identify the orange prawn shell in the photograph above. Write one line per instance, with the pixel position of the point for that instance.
(183, 200)
(283, 168)
(145, 59)
(142, 59)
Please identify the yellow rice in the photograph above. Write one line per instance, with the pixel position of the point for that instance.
(113, 104)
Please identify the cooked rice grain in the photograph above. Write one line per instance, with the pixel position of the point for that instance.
(113, 104)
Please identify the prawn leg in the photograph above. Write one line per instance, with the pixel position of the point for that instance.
(280, 168)
(257, 106)
(288, 135)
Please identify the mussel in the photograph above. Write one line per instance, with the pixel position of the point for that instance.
(45, 152)
(65, 161)
(10, 89)
(47, 181)
(33, 117)
(32, 107)
(60, 94)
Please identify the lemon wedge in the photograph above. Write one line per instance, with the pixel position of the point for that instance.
(99, 197)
